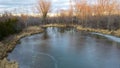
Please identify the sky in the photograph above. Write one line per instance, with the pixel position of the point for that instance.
(21, 6)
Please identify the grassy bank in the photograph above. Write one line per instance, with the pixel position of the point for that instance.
(54, 25)
(103, 31)
(8, 45)
(6, 64)
(79, 27)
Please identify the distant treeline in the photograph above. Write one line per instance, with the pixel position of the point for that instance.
(110, 22)
(10, 24)
(103, 14)
(98, 22)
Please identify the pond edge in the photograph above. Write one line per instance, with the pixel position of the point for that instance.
(7, 47)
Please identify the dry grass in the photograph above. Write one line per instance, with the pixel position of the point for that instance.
(103, 31)
(6, 64)
(54, 25)
(9, 46)
(117, 32)
(94, 30)
(78, 27)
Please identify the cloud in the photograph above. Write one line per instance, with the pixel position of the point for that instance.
(55, 0)
(27, 4)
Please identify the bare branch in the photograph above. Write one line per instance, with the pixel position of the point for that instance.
(44, 7)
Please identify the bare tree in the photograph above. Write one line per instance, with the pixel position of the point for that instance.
(44, 7)
(25, 18)
(71, 10)
(106, 6)
(83, 10)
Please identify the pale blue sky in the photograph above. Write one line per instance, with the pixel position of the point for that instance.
(29, 5)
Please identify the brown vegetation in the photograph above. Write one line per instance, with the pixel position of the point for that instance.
(6, 64)
(44, 7)
(102, 14)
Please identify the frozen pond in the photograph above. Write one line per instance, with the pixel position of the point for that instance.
(66, 48)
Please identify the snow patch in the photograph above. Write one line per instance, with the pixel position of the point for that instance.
(113, 38)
